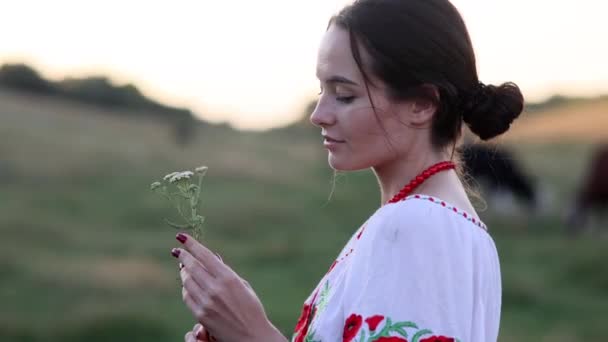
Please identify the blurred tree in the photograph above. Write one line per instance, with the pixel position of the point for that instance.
(23, 77)
(100, 91)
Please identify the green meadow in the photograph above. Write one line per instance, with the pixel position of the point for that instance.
(85, 255)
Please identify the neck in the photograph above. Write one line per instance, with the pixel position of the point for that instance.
(394, 175)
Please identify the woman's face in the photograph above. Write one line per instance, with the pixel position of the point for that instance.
(355, 136)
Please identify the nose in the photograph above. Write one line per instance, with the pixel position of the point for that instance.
(321, 116)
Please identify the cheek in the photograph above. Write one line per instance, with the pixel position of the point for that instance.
(367, 144)
(362, 124)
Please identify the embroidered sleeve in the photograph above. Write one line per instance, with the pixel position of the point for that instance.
(404, 284)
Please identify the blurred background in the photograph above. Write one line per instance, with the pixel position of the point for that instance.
(100, 99)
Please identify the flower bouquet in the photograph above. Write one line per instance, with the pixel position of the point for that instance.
(183, 190)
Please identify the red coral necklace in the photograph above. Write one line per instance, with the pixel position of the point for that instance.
(421, 178)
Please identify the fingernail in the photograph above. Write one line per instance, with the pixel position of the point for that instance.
(181, 237)
(180, 264)
(175, 252)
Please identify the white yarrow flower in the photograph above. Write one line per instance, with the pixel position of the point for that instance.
(181, 175)
(187, 195)
(201, 169)
(167, 177)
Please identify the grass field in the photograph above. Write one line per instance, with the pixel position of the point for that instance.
(84, 255)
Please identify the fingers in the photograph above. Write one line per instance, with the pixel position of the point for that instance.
(198, 334)
(192, 269)
(196, 304)
(201, 333)
(191, 298)
(190, 337)
(201, 253)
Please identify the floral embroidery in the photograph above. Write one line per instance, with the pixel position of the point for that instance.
(438, 339)
(351, 327)
(310, 337)
(303, 317)
(390, 332)
(373, 321)
(390, 339)
(323, 297)
(309, 312)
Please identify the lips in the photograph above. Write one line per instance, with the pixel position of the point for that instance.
(332, 140)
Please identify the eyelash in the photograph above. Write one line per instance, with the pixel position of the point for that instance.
(345, 99)
(342, 99)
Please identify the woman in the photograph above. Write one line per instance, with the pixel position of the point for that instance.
(398, 79)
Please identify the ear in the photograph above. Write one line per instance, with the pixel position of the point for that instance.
(423, 108)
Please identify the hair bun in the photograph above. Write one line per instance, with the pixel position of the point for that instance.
(489, 110)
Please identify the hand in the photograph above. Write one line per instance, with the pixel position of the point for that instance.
(219, 298)
(199, 334)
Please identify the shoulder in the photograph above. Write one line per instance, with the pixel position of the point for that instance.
(423, 221)
(415, 216)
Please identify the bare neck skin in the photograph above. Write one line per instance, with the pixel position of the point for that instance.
(392, 176)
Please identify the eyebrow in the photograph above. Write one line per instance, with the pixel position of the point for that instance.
(340, 79)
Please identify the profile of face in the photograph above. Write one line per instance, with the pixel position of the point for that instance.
(357, 136)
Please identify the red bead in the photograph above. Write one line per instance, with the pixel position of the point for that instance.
(420, 178)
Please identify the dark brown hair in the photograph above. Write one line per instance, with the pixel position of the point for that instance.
(415, 44)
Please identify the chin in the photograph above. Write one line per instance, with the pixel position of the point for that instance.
(344, 164)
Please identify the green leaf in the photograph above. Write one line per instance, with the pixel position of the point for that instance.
(400, 331)
(362, 338)
(405, 325)
(178, 226)
(372, 337)
(419, 334)
(387, 327)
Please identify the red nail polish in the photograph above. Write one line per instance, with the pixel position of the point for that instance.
(181, 237)
(175, 252)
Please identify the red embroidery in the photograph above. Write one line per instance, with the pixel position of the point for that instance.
(391, 332)
(373, 321)
(360, 233)
(303, 317)
(390, 339)
(332, 265)
(438, 339)
(351, 327)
